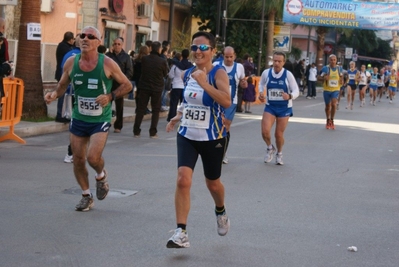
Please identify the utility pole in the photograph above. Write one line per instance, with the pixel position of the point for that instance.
(262, 21)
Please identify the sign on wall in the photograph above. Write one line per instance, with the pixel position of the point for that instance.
(282, 38)
(34, 31)
(342, 14)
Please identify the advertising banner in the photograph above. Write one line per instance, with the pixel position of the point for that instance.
(342, 14)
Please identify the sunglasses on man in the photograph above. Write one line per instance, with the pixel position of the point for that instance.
(89, 36)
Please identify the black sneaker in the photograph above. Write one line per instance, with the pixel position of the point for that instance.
(102, 187)
(85, 204)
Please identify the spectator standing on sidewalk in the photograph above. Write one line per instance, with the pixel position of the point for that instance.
(175, 73)
(63, 47)
(248, 66)
(91, 74)
(76, 50)
(299, 72)
(312, 79)
(249, 95)
(154, 68)
(4, 56)
(125, 64)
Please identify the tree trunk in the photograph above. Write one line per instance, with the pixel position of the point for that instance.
(270, 33)
(321, 34)
(29, 62)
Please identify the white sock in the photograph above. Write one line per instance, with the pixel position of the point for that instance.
(86, 192)
(100, 175)
(270, 147)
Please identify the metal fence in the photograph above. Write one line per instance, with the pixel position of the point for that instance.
(48, 59)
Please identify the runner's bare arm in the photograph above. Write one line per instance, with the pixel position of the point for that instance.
(112, 70)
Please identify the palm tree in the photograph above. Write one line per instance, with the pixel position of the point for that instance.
(28, 67)
(321, 35)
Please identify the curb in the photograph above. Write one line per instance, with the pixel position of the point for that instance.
(27, 129)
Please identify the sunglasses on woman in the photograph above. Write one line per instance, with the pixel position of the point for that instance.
(202, 47)
(89, 36)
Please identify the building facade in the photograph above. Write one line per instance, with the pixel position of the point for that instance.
(135, 20)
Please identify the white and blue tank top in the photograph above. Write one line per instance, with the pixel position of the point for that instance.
(202, 115)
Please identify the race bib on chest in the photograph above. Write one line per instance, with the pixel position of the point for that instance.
(89, 107)
(196, 116)
(275, 94)
(333, 83)
(373, 81)
(352, 76)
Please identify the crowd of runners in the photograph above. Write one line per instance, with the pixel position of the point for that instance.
(373, 81)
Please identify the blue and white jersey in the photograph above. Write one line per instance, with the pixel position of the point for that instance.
(276, 84)
(352, 76)
(374, 80)
(202, 115)
(236, 73)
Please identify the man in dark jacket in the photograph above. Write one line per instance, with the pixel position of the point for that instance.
(63, 47)
(125, 63)
(299, 73)
(153, 71)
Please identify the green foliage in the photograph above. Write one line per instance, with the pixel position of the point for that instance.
(384, 49)
(205, 10)
(181, 39)
(295, 53)
(364, 41)
(244, 29)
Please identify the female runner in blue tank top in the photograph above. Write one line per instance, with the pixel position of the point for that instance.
(201, 133)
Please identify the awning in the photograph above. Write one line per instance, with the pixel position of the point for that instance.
(114, 25)
(364, 58)
(142, 29)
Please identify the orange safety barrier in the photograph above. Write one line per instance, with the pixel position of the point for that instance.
(12, 107)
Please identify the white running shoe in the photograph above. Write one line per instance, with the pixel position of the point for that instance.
(269, 154)
(279, 159)
(225, 160)
(390, 101)
(223, 224)
(178, 240)
(68, 159)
